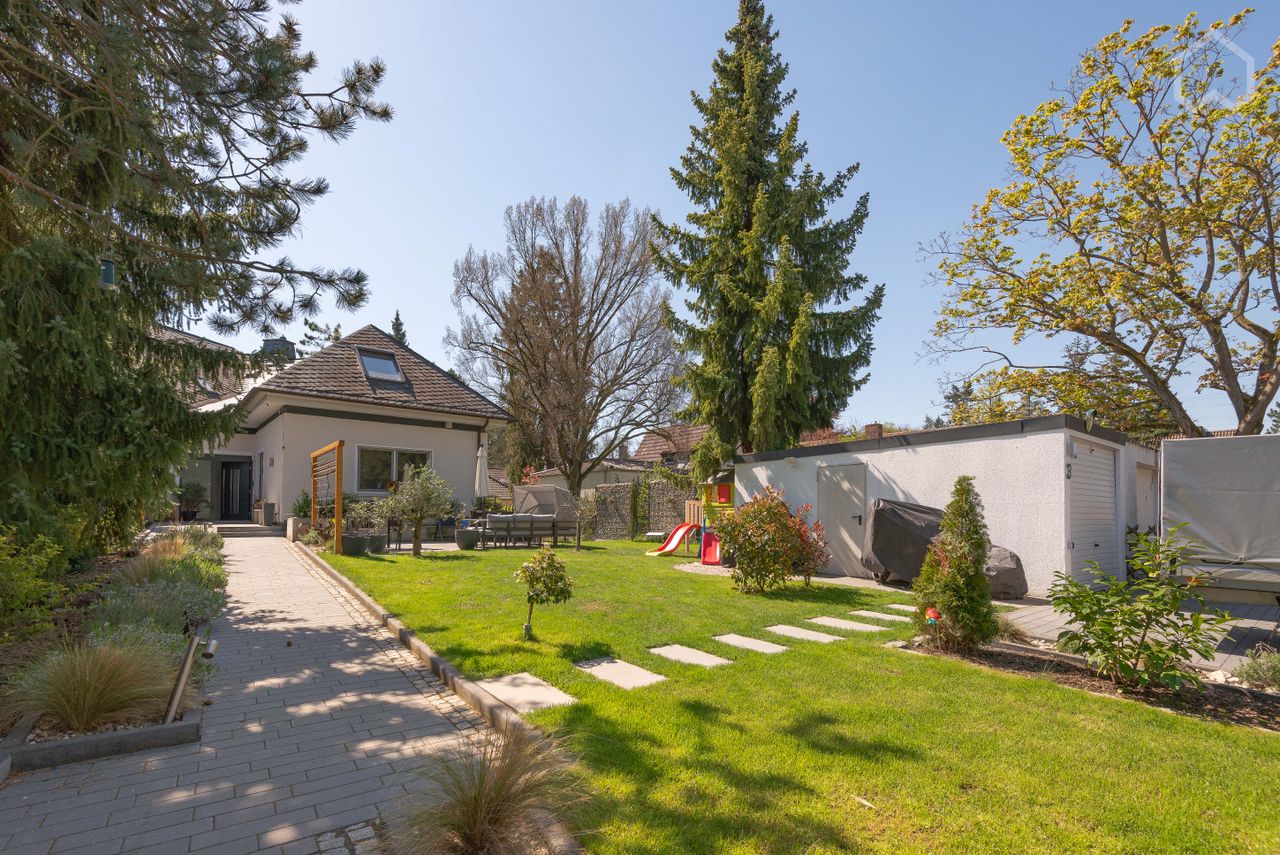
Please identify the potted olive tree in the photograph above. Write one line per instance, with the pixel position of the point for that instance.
(191, 496)
(421, 495)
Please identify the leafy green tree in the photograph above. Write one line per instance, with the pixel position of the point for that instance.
(546, 581)
(144, 158)
(1139, 220)
(423, 494)
(762, 258)
(953, 598)
(397, 330)
(1107, 386)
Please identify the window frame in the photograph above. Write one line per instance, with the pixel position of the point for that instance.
(395, 464)
(361, 352)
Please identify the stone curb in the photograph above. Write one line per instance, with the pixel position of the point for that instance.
(17, 755)
(494, 711)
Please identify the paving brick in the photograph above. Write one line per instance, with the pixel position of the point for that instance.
(299, 739)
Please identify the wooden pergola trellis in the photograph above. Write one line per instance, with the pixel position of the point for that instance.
(325, 463)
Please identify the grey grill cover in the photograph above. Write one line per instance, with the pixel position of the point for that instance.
(898, 537)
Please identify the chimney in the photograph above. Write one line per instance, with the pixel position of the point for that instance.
(874, 430)
(280, 349)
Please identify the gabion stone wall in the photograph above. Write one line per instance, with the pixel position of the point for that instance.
(613, 512)
(666, 505)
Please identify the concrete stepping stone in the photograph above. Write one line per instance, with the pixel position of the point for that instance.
(902, 607)
(802, 633)
(880, 615)
(690, 655)
(524, 692)
(622, 674)
(747, 643)
(849, 625)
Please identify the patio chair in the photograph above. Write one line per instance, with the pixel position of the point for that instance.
(541, 526)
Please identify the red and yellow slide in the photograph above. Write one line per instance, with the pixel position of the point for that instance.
(674, 540)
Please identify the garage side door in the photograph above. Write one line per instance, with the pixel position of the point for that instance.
(1092, 489)
(842, 501)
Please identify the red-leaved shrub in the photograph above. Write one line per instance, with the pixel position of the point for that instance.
(769, 543)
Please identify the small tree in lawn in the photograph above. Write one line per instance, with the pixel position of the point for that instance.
(422, 495)
(547, 582)
(953, 599)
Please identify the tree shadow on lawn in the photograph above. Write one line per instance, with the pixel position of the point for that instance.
(680, 795)
(821, 732)
(585, 650)
(827, 595)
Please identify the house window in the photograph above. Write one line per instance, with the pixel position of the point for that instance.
(380, 366)
(377, 467)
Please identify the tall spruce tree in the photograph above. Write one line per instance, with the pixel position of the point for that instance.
(776, 346)
(397, 330)
(163, 138)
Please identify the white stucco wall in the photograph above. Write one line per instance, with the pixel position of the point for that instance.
(1021, 479)
(453, 452)
(286, 443)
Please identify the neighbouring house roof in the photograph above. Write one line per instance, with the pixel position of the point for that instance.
(499, 485)
(680, 440)
(672, 439)
(336, 373)
(225, 385)
(609, 464)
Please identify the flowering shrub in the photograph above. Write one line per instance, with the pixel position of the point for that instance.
(769, 543)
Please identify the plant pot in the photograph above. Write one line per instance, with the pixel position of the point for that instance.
(377, 543)
(188, 516)
(354, 544)
(466, 538)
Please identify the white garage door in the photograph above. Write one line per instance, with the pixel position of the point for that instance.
(1092, 489)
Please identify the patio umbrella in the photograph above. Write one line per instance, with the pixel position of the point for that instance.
(482, 471)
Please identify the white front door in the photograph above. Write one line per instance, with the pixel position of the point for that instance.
(842, 507)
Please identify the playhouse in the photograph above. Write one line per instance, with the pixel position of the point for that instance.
(700, 519)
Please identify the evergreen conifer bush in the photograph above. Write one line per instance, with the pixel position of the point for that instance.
(953, 598)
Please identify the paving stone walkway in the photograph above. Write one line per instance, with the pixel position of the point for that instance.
(319, 718)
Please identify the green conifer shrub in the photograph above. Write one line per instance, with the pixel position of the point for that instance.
(952, 581)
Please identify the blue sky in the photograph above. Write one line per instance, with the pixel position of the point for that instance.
(498, 101)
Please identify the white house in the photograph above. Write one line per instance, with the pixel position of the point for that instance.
(1055, 492)
(390, 406)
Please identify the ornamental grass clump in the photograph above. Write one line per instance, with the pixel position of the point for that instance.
(1261, 668)
(953, 598)
(1142, 631)
(86, 686)
(546, 581)
(497, 795)
(769, 543)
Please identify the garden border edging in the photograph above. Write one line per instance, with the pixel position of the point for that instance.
(494, 711)
(18, 755)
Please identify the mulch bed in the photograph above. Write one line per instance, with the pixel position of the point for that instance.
(1217, 702)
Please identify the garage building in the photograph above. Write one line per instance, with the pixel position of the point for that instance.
(1056, 492)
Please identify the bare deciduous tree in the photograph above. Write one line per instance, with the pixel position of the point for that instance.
(569, 320)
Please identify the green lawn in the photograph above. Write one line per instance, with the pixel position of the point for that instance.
(771, 753)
